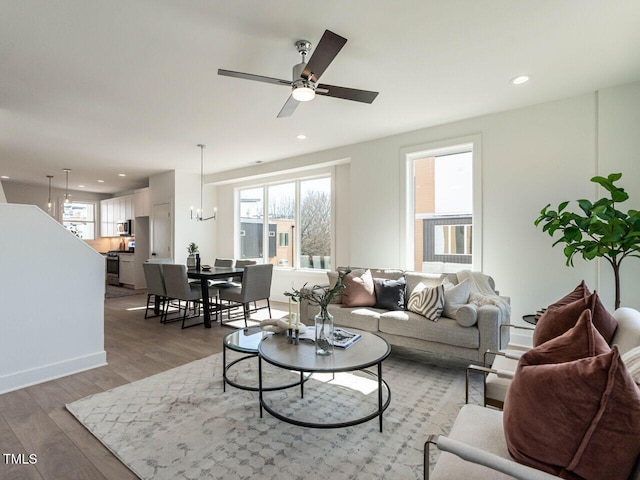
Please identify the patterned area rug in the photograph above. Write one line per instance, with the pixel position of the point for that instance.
(179, 424)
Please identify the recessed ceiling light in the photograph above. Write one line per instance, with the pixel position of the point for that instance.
(301, 136)
(4, 177)
(82, 186)
(520, 79)
(100, 181)
(122, 174)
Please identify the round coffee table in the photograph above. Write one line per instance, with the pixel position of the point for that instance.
(370, 350)
(246, 340)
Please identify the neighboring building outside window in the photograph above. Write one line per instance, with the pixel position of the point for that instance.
(298, 223)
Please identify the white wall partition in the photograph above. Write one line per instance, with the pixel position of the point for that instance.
(3, 198)
(52, 300)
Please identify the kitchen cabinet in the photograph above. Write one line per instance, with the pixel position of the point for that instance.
(127, 273)
(114, 210)
(141, 202)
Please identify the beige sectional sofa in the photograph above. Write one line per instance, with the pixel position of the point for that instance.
(473, 330)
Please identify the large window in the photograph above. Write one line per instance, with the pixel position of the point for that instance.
(442, 205)
(79, 219)
(296, 228)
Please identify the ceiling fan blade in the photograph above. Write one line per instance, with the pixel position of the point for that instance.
(289, 107)
(364, 96)
(328, 47)
(257, 78)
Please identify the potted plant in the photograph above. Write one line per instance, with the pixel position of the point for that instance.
(192, 249)
(322, 297)
(603, 231)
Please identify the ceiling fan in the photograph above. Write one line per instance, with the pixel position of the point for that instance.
(306, 75)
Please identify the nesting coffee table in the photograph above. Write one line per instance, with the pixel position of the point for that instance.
(371, 350)
(246, 340)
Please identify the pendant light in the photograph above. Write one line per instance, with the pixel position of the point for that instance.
(66, 193)
(49, 204)
(200, 212)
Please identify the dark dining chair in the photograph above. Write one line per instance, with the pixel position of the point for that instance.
(256, 285)
(178, 288)
(155, 288)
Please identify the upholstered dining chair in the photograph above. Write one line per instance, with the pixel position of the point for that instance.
(178, 288)
(256, 285)
(244, 263)
(155, 288)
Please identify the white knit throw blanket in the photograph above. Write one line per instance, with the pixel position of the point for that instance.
(481, 292)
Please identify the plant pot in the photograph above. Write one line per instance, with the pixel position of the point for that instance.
(191, 262)
(324, 333)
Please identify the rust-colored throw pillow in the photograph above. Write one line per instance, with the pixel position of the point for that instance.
(359, 290)
(581, 291)
(576, 419)
(557, 320)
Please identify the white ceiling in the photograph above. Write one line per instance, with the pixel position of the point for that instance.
(131, 86)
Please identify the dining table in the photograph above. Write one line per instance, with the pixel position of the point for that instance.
(213, 273)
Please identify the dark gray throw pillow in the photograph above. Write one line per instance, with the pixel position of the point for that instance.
(389, 293)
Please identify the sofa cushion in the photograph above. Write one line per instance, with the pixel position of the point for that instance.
(358, 290)
(427, 301)
(427, 279)
(362, 318)
(445, 330)
(593, 398)
(389, 293)
(557, 320)
(455, 296)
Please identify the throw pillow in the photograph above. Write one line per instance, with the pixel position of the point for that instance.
(389, 293)
(578, 419)
(580, 341)
(557, 320)
(358, 290)
(467, 315)
(581, 291)
(427, 301)
(631, 360)
(455, 296)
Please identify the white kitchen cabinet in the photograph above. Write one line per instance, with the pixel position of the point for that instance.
(112, 211)
(141, 202)
(127, 273)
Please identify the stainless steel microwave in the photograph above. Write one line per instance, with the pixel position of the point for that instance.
(125, 228)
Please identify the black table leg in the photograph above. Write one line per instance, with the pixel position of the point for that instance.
(205, 302)
(260, 383)
(380, 393)
(224, 367)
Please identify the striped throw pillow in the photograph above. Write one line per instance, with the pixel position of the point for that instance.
(631, 360)
(427, 301)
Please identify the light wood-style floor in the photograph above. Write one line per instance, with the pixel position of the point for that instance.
(34, 420)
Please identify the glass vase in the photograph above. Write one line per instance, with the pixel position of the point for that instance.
(324, 333)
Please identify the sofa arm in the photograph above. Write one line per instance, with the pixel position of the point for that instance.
(490, 319)
(482, 457)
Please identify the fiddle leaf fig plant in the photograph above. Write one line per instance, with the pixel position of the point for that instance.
(600, 231)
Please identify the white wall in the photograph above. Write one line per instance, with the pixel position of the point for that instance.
(530, 157)
(52, 296)
(619, 151)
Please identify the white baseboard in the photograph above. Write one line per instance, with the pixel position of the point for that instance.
(33, 376)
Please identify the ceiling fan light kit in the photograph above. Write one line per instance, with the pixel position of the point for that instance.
(304, 85)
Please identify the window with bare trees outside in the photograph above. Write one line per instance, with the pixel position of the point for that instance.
(296, 229)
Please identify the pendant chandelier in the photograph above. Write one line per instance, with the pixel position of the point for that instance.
(199, 216)
(66, 192)
(49, 203)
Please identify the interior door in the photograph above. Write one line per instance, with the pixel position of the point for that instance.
(161, 231)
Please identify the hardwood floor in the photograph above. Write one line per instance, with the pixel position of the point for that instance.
(34, 420)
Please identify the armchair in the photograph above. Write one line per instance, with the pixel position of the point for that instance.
(476, 449)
